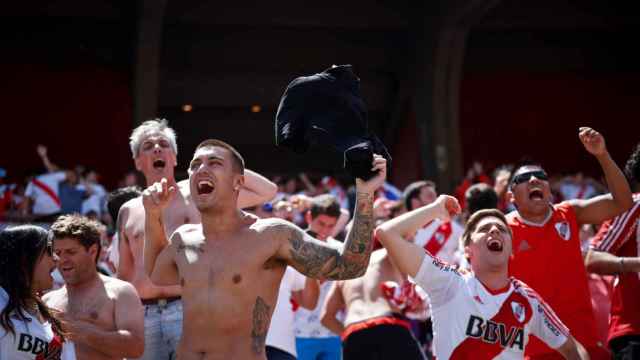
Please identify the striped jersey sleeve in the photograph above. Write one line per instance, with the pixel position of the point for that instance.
(545, 324)
(615, 232)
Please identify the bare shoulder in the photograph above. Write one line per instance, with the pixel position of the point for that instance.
(128, 209)
(134, 203)
(276, 228)
(117, 287)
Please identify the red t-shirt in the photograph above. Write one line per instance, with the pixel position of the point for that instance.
(619, 236)
(548, 258)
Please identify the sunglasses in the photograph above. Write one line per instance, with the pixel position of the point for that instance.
(524, 177)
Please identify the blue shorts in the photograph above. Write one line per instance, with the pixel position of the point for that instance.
(319, 348)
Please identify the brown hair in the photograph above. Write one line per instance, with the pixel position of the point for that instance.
(238, 160)
(325, 204)
(78, 227)
(475, 219)
(412, 191)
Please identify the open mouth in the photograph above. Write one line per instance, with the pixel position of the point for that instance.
(494, 245)
(536, 194)
(205, 187)
(66, 269)
(159, 164)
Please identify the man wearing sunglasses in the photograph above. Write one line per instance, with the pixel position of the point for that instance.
(546, 244)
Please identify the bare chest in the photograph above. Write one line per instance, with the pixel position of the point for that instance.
(95, 307)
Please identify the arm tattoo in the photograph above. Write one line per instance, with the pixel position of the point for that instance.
(261, 317)
(318, 260)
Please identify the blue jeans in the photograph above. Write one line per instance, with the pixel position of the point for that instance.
(162, 330)
(329, 348)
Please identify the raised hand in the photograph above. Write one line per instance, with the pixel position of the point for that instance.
(447, 207)
(156, 197)
(593, 141)
(42, 150)
(371, 185)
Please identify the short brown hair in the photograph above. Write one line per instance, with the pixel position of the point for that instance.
(325, 204)
(238, 160)
(412, 191)
(475, 219)
(78, 227)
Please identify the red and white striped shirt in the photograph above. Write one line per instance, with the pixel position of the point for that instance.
(473, 322)
(440, 239)
(621, 236)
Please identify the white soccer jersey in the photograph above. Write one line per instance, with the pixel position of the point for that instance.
(470, 322)
(32, 340)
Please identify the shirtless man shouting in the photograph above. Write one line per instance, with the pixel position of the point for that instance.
(230, 265)
(154, 150)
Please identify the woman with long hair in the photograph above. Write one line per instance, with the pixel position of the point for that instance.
(28, 329)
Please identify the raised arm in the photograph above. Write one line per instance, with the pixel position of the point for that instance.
(155, 199)
(319, 260)
(257, 190)
(393, 233)
(604, 207)
(42, 152)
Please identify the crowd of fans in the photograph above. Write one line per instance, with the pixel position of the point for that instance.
(323, 206)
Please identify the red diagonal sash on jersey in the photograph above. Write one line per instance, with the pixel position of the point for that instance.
(479, 348)
(433, 246)
(52, 351)
(47, 190)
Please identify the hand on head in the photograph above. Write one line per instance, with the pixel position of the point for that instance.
(156, 197)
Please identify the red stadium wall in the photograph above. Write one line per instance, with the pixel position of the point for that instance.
(83, 115)
(507, 115)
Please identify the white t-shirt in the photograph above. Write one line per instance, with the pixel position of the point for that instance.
(307, 322)
(280, 334)
(470, 322)
(43, 202)
(32, 339)
(96, 201)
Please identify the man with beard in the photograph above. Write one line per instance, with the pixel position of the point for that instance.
(230, 265)
(546, 244)
(154, 149)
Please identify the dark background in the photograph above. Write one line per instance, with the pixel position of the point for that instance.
(532, 73)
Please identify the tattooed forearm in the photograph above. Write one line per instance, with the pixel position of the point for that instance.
(359, 239)
(261, 317)
(318, 260)
(359, 243)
